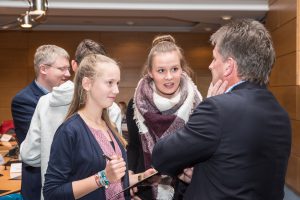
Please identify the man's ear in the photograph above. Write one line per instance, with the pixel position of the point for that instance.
(229, 67)
(74, 65)
(43, 69)
(86, 83)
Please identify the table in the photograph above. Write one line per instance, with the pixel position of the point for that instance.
(7, 186)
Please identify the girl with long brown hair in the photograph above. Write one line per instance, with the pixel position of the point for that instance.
(163, 101)
(88, 158)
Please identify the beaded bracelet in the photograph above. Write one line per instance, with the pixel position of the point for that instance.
(103, 179)
(97, 179)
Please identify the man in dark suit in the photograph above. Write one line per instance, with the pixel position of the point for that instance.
(51, 65)
(238, 143)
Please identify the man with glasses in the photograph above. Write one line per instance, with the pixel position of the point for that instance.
(51, 66)
(35, 149)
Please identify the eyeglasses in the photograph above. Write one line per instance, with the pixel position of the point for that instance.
(62, 69)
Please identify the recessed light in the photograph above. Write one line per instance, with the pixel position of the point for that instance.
(130, 23)
(226, 17)
(207, 29)
(5, 27)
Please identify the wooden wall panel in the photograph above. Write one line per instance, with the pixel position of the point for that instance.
(287, 98)
(282, 37)
(13, 78)
(298, 104)
(19, 40)
(272, 20)
(130, 49)
(130, 76)
(5, 114)
(13, 74)
(199, 57)
(281, 12)
(67, 40)
(287, 10)
(282, 22)
(271, 1)
(197, 49)
(284, 71)
(298, 45)
(11, 58)
(292, 172)
(298, 21)
(295, 137)
(128, 83)
(126, 93)
(202, 80)
(5, 100)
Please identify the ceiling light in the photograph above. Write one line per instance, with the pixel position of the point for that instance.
(38, 7)
(226, 17)
(25, 21)
(208, 29)
(5, 27)
(130, 23)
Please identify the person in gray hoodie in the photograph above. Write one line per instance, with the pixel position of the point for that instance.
(51, 111)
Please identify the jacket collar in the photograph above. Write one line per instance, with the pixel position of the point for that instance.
(36, 90)
(248, 85)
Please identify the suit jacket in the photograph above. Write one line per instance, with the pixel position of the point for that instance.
(22, 108)
(239, 144)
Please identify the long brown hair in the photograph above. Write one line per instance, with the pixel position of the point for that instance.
(88, 68)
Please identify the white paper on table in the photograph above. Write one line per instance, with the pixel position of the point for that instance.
(15, 170)
(16, 167)
(5, 138)
(1, 160)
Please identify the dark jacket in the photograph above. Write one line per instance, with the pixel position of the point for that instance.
(239, 144)
(22, 109)
(134, 148)
(75, 155)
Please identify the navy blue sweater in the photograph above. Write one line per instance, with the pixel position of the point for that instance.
(75, 155)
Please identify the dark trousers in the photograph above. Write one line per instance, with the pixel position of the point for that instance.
(31, 182)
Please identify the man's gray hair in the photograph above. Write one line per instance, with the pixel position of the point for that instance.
(249, 43)
(47, 55)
